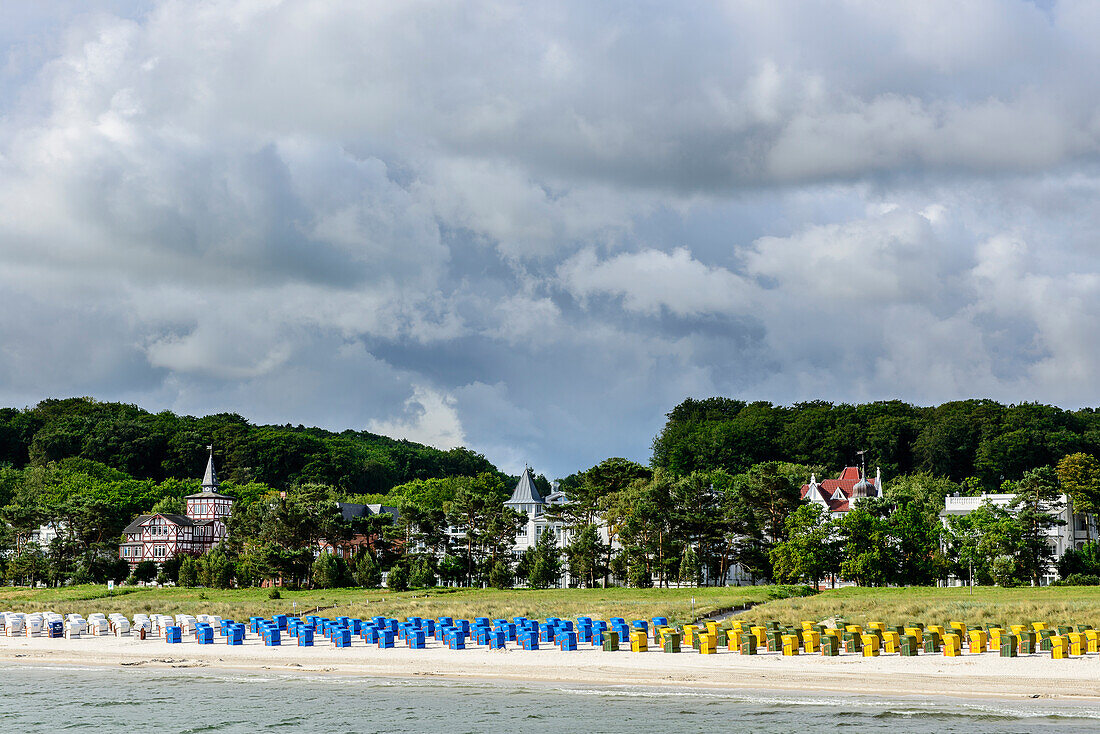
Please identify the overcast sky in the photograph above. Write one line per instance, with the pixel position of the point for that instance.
(533, 229)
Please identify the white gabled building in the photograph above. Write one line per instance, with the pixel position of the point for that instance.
(841, 494)
(1073, 534)
(527, 500)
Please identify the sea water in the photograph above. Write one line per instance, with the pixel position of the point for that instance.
(52, 699)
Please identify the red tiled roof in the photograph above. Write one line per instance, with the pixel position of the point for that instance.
(828, 487)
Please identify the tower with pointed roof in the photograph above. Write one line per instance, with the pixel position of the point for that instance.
(162, 536)
(525, 497)
(209, 509)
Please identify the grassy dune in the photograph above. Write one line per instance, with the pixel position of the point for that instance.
(1057, 605)
(676, 604)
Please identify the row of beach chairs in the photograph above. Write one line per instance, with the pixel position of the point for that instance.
(706, 637)
(911, 639)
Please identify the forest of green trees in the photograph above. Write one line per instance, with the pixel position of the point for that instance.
(721, 488)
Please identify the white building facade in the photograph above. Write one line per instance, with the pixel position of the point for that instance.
(527, 500)
(1074, 533)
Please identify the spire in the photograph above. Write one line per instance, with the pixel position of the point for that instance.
(878, 480)
(210, 479)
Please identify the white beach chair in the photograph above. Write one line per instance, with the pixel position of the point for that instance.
(32, 626)
(13, 625)
(76, 619)
(119, 624)
(73, 630)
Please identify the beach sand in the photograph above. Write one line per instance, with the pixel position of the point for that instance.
(986, 675)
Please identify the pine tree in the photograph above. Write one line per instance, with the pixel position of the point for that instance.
(367, 573)
(188, 573)
(1037, 504)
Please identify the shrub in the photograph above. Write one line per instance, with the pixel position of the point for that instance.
(367, 572)
(329, 571)
(274, 594)
(500, 577)
(398, 578)
(422, 575)
(189, 573)
(1080, 579)
(145, 571)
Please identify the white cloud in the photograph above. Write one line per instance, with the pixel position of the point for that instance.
(651, 280)
(429, 418)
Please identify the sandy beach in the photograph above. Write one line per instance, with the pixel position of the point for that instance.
(986, 675)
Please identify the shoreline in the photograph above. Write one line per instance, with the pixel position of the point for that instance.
(986, 676)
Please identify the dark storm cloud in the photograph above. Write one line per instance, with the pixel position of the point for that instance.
(535, 228)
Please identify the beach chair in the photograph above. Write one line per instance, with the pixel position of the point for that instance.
(1059, 647)
(1076, 643)
(811, 641)
(978, 641)
(204, 633)
(791, 645)
(870, 645)
(530, 640)
(952, 645)
(341, 637)
(830, 646)
(1027, 641)
(1010, 645)
(910, 645)
(1092, 641)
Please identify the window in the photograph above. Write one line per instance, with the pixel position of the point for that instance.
(522, 531)
(160, 551)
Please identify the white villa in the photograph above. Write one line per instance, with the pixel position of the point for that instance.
(527, 500)
(1073, 534)
(841, 494)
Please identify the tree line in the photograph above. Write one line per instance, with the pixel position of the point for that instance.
(711, 499)
(977, 442)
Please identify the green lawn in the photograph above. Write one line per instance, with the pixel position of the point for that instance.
(676, 604)
(1055, 605)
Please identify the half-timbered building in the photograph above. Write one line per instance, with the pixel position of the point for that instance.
(162, 536)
